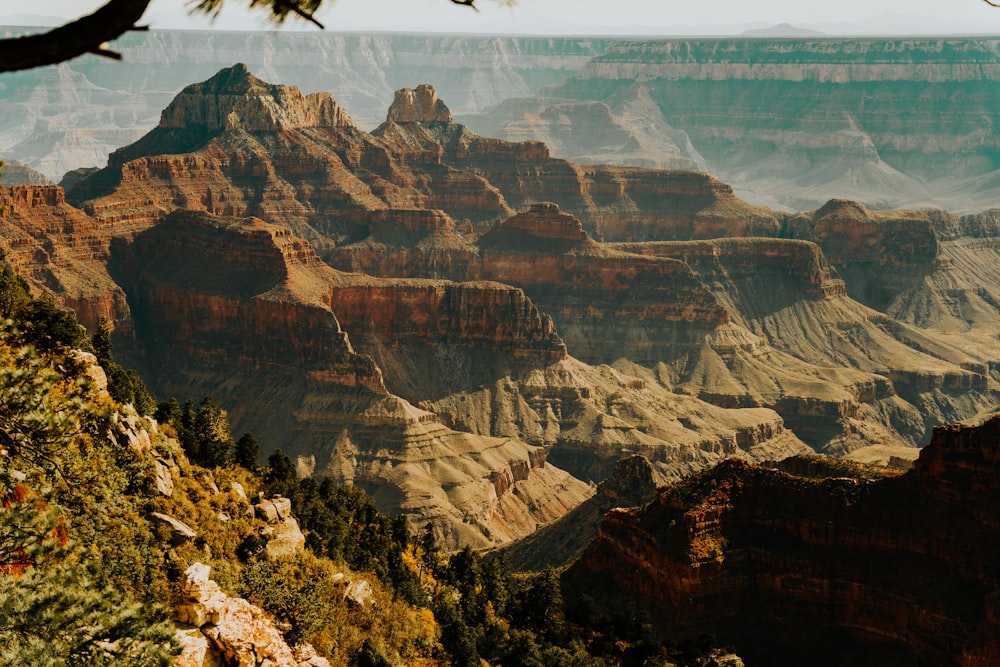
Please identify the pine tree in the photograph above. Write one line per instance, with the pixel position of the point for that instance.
(247, 451)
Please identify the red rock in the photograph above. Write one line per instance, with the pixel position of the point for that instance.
(59, 249)
(791, 568)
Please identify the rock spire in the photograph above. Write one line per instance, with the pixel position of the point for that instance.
(420, 105)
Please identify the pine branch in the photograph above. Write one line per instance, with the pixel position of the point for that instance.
(85, 35)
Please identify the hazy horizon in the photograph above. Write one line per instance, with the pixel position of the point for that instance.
(625, 17)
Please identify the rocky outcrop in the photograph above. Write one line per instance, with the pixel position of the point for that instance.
(792, 568)
(614, 203)
(234, 99)
(13, 172)
(282, 531)
(68, 117)
(216, 629)
(848, 233)
(420, 105)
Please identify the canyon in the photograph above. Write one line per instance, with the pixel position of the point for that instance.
(791, 123)
(475, 331)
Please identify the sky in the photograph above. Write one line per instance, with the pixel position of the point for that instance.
(577, 16)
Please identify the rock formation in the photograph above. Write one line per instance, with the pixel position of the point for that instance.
(15, 173)
(869, 139)
(234, 99)
(436, 380)
(796, 569)
(59, 249)
(246, 312)
(216, 629)
(421, 105)
(282, 531)
(732, 321)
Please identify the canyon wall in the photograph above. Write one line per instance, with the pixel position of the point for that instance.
(245, 311)
(790, 122)
(822, 570)
(488, 336)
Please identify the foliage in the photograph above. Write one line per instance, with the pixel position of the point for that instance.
(246, 451)
(298, 591)
(82, 572)
(204, 432)
(62, 615)
(69, 594)
(344, 524)
(124, 385)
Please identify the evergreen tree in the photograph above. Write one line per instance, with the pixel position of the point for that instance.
(542, 607)
(101, 342)
(247, 452)
(169, 412)
(211, 431)
(280, 471)
(61, 477)
(14, 292)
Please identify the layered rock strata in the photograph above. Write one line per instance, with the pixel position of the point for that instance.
(59, 249)
(457, 328)
(244, 311)
(737, 322)
(888, 130)
(333, 184)
(794, 569)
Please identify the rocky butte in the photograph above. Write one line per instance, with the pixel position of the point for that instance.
(819, 566)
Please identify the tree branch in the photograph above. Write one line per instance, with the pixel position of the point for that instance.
(85, 35)
(991, 4)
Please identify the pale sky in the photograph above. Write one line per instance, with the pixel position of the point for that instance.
(581, 16)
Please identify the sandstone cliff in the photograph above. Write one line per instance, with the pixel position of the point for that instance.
(820, 570)
(735, 322)
(333, 184)
(929, 269)
(74, 115)
(931, 380)
(614, 203)
(59, 249)
(717, 344)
